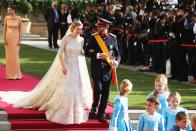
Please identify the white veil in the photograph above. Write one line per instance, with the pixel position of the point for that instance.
(68, 31)
(48, 84)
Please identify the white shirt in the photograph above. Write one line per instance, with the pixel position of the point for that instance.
(194, 28)
(173, 2)
(69, 20)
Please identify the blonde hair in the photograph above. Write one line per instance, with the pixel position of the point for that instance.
(125, 87)
(193, 118)
(76, 24)
(163, 80)
(174, 94)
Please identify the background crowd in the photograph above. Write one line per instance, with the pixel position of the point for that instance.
(148, 32)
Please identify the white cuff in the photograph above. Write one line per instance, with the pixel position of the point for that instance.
(98, 55)
(116, 63)
(114, 128)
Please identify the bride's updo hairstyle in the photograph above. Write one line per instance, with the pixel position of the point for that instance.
(76, 24)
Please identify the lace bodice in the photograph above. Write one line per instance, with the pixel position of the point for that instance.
(71, 47)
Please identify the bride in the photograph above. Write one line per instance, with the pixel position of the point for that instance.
(64, 93)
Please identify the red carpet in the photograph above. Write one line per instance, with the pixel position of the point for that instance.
(33, 120)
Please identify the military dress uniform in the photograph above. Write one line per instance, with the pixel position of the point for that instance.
(101, 71)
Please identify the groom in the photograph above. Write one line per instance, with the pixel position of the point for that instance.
(100, 46)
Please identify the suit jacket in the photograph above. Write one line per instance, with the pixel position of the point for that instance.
(50, 17)
(100, 69)
(64, 20)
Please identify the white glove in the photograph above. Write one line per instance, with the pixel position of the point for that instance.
(171, 34)
(114, 63)
(98, 55)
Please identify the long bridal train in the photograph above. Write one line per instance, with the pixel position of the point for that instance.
(55, 94)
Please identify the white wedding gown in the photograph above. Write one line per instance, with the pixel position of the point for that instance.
(64, 98)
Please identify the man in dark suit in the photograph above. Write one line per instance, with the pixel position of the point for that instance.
(63, 22)
(53, 17)
(101, 71)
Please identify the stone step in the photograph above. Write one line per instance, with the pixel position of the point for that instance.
(1, 29)
(27, 36)
(3, 116)
(5, 126)
(135, 114)
(31, 36)
(34, 39)
(134, 124)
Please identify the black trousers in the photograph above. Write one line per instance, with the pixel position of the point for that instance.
(182, 74)
(193, 64)
(158, 59)
(124, 53)
(53, 35)
(173, 59)
(101, 89)
(131, 53)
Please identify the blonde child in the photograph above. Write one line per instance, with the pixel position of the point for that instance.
(161, 92)
(170, 113)
(151, 120)
(120, 119)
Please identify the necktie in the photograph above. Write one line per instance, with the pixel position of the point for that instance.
(56, 17)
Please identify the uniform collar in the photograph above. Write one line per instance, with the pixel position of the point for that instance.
(104, 36)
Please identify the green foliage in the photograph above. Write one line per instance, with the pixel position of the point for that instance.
(4, 3)
(42, 5)
(27, 6)
(24, 7)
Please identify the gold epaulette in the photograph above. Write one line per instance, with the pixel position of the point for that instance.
(94, 33)
(112, 35)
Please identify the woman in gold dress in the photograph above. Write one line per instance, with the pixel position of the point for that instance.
(12, 38)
